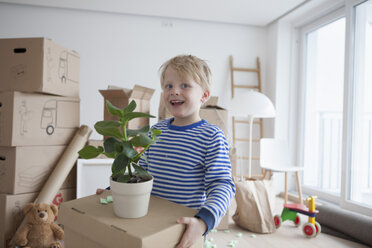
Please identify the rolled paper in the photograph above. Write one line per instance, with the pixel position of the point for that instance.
(62, 169)
(64, 166)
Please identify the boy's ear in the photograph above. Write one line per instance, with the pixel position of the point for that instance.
(205, 96)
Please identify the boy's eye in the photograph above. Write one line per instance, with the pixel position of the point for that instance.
(184, 86)
(168, 86)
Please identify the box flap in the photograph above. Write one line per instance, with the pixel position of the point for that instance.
(212, 101)
(214, 107)
(140, 92)
(115, 93)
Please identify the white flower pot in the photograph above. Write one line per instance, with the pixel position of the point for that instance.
(131, 200)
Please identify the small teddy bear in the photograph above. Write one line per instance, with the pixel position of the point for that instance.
(40, 230)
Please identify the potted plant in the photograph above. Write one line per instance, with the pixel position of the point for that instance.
(130, 184)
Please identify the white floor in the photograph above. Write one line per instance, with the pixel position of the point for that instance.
(287, 236)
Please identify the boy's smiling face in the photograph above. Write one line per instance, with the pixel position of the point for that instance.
(183, 98)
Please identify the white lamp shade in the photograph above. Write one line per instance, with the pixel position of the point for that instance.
(252, 103)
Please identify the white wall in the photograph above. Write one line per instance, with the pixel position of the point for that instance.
(123, 50)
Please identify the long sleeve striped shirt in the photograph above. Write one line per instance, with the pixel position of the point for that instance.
(191, 167)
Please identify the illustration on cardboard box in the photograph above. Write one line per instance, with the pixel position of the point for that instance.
(36, 119)
(38, 65)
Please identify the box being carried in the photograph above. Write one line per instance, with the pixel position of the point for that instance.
(25, 169)
(121, 97)
(11, 211)
(36, 119)
(38, 65)
(88, 223)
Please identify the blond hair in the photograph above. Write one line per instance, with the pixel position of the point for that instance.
(189, 67)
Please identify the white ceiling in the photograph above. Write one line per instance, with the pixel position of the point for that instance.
(246, 12)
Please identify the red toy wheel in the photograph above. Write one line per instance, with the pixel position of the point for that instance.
(309, 230)
(277, 221)
(318, 228)
(297, 221)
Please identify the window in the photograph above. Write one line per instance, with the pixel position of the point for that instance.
(325, 46)
(336, 117)
(361, 158)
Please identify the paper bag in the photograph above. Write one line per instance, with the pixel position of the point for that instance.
(254, 205)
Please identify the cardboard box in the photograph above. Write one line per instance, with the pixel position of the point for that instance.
(25, 169)
(121, 97)
(214, 114)
(88, 223)
(36, 119)
(11, 211)
(162, 110)
(38, 65)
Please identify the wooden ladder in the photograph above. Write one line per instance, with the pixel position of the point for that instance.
(257, 87)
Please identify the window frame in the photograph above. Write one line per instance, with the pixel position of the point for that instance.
(347, 11)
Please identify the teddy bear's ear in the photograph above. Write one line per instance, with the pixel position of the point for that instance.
(28, 207)
(54, 209)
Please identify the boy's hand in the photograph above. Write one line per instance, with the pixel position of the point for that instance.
(195, 228)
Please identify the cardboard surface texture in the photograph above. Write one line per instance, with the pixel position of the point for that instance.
(121, 97)
(25, 169)
(11, 211)
(38, 65)
(91, 224)
(36, 119)
(214, 114)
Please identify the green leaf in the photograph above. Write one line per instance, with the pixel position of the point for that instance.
(140, 170)
(120, 164)
(113, 109)
(112, 145)
(123, 178)
(142, 140)
(128, 150)
(108, 128)
(89, 152)
(109, 155)
(155, 132)
(129, 116)
(130, 108)
(134, 132)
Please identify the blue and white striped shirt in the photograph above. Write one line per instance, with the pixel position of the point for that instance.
(191, 167)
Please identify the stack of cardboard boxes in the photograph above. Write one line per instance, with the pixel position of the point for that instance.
(39, 115)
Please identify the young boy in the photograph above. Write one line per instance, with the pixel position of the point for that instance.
(190, 163)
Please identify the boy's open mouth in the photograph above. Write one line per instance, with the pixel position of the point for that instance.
(176, 102)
